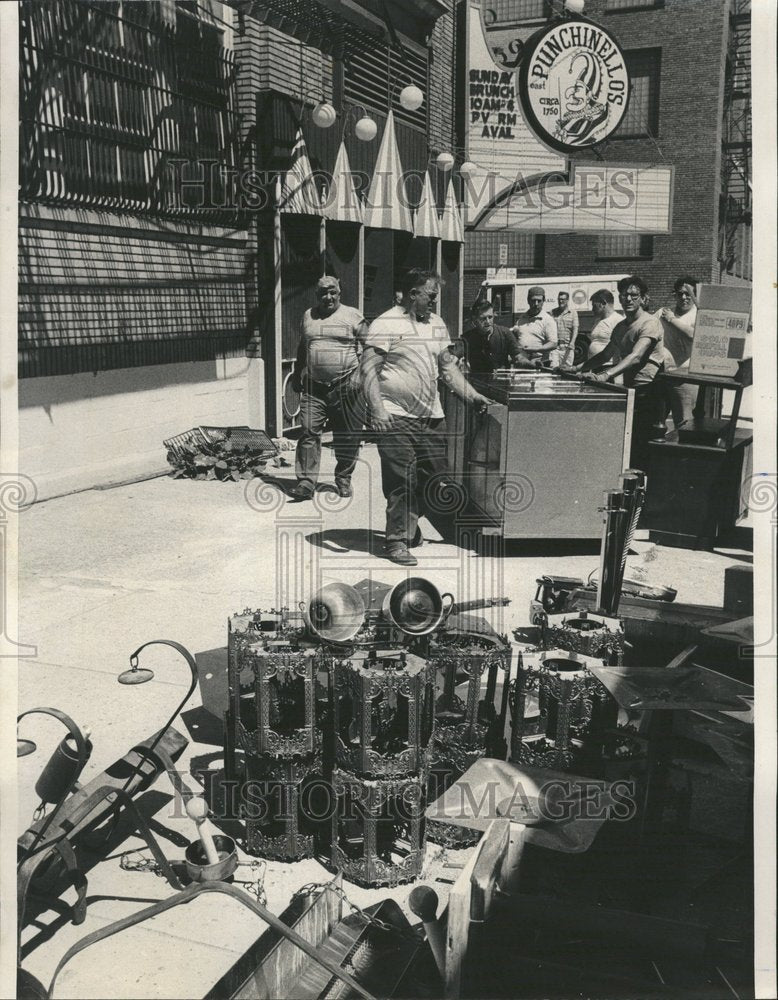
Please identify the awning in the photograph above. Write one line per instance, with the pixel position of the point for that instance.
(341, 203)
(425, 222)
(387, 202)
(451, 220)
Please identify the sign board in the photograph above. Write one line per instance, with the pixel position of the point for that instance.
(503, 253)
(517, 181)
(501, 273)
(573, 84)
(721, 331)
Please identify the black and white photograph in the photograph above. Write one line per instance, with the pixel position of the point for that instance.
(388, 499)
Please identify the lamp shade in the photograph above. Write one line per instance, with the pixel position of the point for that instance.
(575, 6)
(366, 129)
(445, 161)
(468, 168)
(411, 97)
(324, 115)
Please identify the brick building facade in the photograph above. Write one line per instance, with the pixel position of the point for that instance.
(690, 107)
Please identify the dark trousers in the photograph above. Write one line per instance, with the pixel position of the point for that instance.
(413, 468)
(647, 423)
(341, 408)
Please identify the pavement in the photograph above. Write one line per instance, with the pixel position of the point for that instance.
(104, 571)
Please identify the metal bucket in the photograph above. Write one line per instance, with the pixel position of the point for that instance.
(197, 867)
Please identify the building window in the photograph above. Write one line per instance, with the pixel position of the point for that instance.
(616, 5)
(642, 115)
(630, 247)
(523, 251)
(507, 12)
(374, 73)
(114, 95)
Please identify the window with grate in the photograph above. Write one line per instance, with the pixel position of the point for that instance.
(374, 73)
(634, 4)
(642, 116)
(113, 95)
(504, 12)
(633, 246)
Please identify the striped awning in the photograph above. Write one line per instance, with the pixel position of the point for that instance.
(387, 208)
(451, 220)
(298, 189)
(341, 203)
(425, 222)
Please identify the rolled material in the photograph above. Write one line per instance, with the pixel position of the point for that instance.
(614, 538)
(633, 486)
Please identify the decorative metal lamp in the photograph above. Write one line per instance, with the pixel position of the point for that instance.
(140, 675)
(277, 824)
(467, 728)
(562, 682)
(60, 775)
(378, 828)
(383, 711)
(582, 632)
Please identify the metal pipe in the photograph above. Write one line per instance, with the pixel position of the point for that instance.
(614, 537)
(633, 484)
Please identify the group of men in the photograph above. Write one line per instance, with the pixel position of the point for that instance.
(384, 375)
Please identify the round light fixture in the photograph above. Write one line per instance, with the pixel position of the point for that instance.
(411, 98)
(366, 129)
(574, 6)
(467, 168)
(324, 115)
(445, 161)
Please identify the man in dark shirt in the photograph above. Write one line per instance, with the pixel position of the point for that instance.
(485, 346)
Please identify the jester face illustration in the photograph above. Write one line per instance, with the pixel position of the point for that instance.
(583, 110)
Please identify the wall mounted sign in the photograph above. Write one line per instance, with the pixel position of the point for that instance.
(518, 181)
(573, 84)
(721, 330)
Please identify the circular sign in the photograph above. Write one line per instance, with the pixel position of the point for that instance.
(573, 84)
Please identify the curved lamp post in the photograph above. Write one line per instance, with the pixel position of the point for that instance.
(71, 770)
(140, 675)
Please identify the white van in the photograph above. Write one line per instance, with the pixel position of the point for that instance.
(508, 295)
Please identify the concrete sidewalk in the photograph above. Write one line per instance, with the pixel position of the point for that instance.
(105, 571)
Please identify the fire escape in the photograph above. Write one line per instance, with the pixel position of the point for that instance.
(735, 212)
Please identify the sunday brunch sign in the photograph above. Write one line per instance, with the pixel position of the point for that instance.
(533, 97)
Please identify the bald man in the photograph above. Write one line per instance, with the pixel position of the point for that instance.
(536, 331)
(326, 373)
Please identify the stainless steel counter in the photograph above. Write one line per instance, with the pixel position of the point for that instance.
(537, 463)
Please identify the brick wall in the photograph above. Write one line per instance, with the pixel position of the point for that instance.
(441, 114)
(692, 36)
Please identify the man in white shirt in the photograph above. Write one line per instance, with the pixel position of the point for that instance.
(678, 327)
(536, 330)
(406, 351)
(605, 320)
(566, 327)
(326, 373)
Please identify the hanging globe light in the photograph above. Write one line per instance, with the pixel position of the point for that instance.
(468, 168)
(411, 98)
(366, 129)
(324, 115)
(445, 161)
(574, 6)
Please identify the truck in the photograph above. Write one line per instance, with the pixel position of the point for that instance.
(508, 295)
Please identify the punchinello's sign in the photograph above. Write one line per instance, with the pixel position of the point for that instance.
(536, 92)
(573, 85)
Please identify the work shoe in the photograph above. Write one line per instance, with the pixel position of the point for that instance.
(344, 489)
(300, 492)
(398, 553)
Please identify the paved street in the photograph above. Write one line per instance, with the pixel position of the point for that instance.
(105, 571)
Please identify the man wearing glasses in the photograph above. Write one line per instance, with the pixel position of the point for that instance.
(637, 350)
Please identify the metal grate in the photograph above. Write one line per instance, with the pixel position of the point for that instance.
(374, 74)
(120, 101)
(242, 437)
(632, 246)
